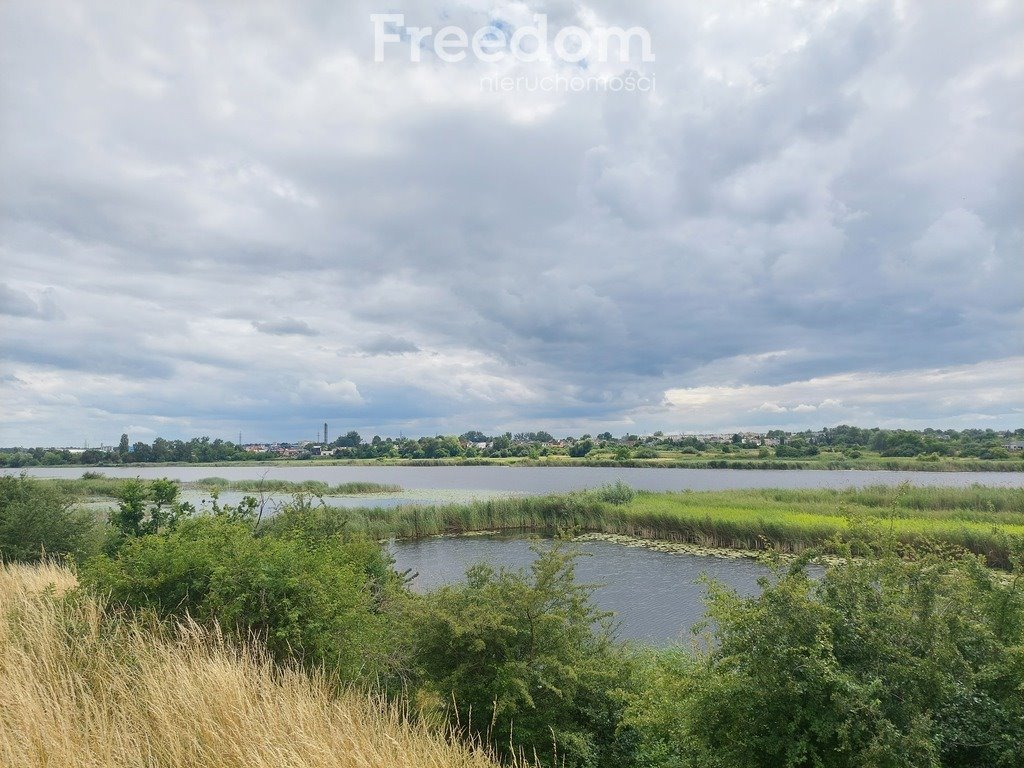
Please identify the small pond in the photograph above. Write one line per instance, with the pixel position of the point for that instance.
(656, 596)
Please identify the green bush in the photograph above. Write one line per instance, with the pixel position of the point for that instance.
(316, 600)
(617, 493)
(882, 662)
(38, 519)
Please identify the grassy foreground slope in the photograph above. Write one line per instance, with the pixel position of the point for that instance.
(79, 689)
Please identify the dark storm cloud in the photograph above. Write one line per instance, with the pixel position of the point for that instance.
(815, 203)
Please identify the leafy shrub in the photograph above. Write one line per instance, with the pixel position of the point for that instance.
(37, 518)
(616, 493)
(796, 451)
(882, 662)
(994, 453)
(314, 600)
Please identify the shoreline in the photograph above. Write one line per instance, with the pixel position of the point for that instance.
(657, 545)
(852, 465)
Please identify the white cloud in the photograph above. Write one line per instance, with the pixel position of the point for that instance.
(956, 396)
(328, 392)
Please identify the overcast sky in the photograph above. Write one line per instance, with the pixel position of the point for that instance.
(220, 217)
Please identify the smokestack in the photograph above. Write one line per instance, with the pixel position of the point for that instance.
(326, 441)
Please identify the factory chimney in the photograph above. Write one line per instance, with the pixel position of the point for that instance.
(326, 441)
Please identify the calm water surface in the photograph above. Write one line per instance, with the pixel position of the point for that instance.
(655, 596)
(538, 480)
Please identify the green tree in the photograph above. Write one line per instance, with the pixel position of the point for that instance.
(147, 507)
(514, 657)
(581, 448)
(351, 439)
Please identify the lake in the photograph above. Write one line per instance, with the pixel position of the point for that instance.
(655, 596)
(540, 480)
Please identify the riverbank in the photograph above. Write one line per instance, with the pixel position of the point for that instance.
(825, 461)
(98, 485)
(738, 460)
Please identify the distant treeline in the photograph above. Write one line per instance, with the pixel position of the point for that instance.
(199, 450)
(842, 442)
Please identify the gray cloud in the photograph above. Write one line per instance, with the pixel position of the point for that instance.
(286, 326)
(388, 345)
(810, 193)
(17, 303)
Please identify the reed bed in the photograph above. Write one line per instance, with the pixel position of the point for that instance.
(79, 689)
(793, 530)
(93, 485)
(979, 519)
(109, 487)
(976, 497)
(355, 488)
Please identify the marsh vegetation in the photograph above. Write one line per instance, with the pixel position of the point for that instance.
(977, 519)
(295, 641)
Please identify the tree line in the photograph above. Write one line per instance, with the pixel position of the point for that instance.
(849, 441)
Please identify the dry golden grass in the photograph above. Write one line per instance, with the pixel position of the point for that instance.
(78, 689)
